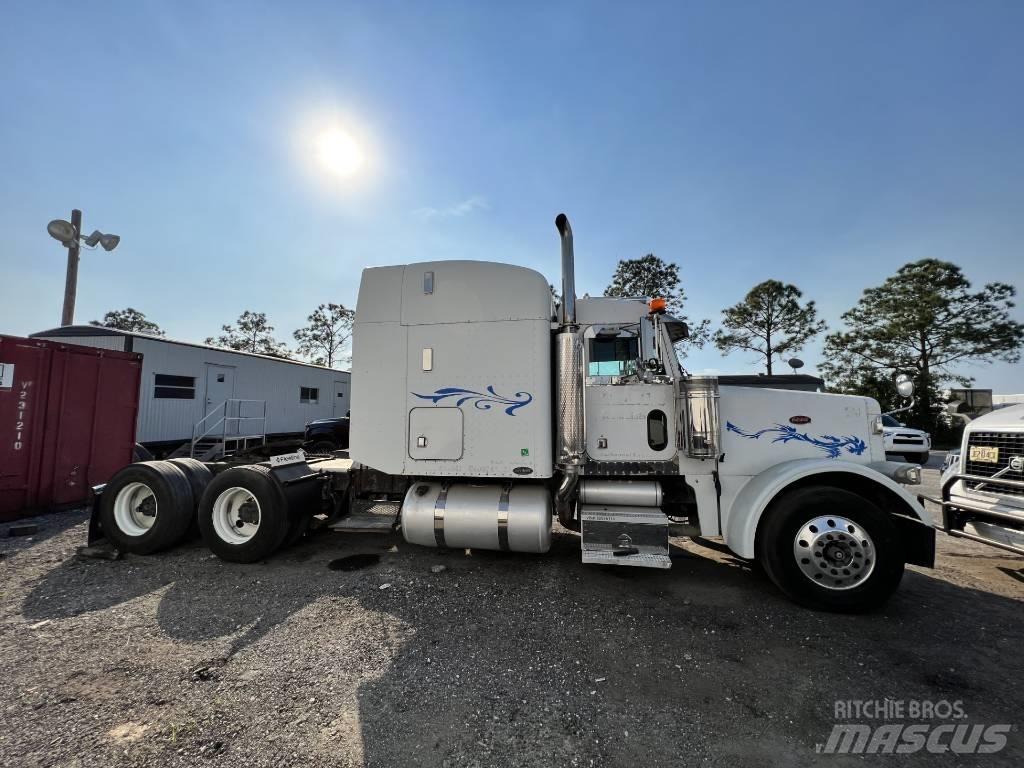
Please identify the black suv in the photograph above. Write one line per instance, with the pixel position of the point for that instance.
(326, 435)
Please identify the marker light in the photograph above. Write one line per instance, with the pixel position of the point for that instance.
(658, 306)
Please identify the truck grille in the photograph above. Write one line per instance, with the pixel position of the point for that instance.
(1009, 444)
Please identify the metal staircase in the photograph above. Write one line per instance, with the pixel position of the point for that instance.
(231, 427)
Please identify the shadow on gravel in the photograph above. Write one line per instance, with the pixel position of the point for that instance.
(559, 663)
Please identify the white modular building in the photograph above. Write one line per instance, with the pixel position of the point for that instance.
(187, 388)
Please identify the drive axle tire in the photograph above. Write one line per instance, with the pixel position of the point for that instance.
(243, 515)
(146, 507)
(198, 474)
(830, 549)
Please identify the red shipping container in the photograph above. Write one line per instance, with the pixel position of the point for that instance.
(67, 421)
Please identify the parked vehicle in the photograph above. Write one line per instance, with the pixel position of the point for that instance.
(482, 415)
(901, 440)
(983, 486)
(326, 435)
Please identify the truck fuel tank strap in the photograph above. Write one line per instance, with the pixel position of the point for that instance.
(439, 505)
(503, 517)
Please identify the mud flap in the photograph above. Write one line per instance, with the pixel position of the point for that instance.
(95, 529)
(918, 540)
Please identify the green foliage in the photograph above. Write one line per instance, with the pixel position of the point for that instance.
(769, 321)
(922, 321)
(324, 339)
(128, 320)
(652, 277)
(251, 333)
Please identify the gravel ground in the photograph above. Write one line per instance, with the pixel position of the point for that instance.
(181, 659)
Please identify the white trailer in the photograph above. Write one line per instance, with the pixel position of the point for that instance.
(487, 416)
(186, 388)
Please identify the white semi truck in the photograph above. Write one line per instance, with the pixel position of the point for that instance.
(983, 486)
(489, 416)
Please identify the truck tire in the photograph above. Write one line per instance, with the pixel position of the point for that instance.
(830, 549)
(243, 515)
(146, 507)
(198, 474)
(917, 458)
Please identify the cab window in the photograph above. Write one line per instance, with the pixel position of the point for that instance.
(613, 357)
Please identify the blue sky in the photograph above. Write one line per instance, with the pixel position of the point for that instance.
(823, 144)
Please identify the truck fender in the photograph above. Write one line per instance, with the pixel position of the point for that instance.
(754, 498)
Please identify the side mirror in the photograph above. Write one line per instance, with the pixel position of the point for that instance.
(904, 385)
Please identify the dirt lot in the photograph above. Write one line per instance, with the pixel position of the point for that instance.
(181, 659)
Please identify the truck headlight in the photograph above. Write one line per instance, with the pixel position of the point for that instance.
(908, 474)
(877, 427)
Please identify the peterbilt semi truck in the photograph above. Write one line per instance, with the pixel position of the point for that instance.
(491, 412)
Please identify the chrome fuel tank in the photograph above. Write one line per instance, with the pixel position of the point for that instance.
(507, 517)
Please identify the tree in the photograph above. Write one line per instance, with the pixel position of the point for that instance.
(769, 321)
(651, 276)
(923, 321)
(128, 320)
(329, 330)
(252, 333)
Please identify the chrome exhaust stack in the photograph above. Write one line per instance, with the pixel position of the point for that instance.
(571, 449)
(568, 312)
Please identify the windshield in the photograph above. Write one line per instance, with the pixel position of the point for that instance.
(889, 421)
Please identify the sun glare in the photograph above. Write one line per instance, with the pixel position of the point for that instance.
(338, 153)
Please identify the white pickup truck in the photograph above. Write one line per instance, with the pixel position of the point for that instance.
(983, 488)
(907, 442)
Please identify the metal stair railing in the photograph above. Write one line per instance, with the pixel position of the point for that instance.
(221, 427)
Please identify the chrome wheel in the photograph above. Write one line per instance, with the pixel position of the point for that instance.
(236, 515)
(135, 509)
(834, 552)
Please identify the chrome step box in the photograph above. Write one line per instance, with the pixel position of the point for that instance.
(634, 536)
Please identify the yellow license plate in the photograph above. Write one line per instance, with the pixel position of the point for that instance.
(984, 453)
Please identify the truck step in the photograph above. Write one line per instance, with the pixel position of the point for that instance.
(369, 515)
(373, 523)
(620, 535)
(609, 557)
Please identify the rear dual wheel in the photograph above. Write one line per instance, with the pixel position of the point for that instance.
(246, 515)
(146, 507)
(830, 549)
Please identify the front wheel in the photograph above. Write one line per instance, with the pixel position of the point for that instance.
(830, 549)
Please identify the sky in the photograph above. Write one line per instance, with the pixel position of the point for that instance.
(823, 144)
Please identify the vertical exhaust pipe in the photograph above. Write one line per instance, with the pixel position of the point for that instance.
(572, 446)
(568, 270)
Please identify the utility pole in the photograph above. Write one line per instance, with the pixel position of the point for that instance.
(69, 234)
(67, 316)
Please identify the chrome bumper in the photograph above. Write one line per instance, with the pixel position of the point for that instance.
(956, 515)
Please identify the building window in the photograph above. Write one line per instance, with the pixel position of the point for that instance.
(309, 395)
(174, 387)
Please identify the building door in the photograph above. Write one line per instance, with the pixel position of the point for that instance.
(220, 386)
(340, 399)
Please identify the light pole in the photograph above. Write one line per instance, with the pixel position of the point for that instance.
(69, 233)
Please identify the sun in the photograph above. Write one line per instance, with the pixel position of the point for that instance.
(338, 153)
